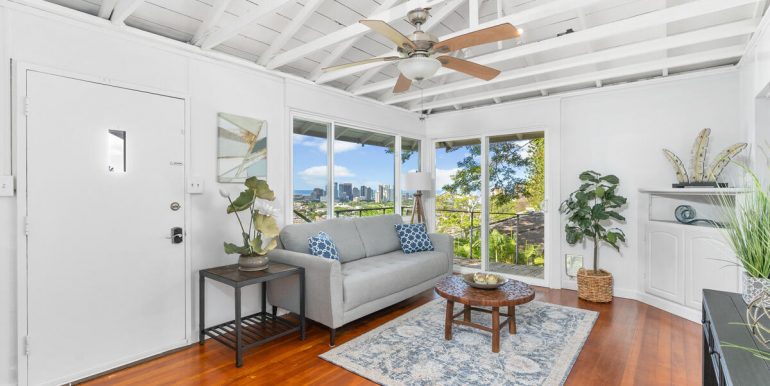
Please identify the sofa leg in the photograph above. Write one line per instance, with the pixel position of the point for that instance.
(332, 336)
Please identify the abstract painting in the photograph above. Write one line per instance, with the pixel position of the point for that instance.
(242, 148)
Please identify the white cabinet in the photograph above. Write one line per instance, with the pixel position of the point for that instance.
(709, 263)
(682, 260)
(664, 265)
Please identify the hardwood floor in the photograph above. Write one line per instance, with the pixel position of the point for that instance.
(631, 344)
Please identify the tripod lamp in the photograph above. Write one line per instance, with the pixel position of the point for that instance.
(419, 182)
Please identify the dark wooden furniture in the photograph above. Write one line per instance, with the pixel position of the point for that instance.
(250, 331)
(724, 320)
(510, 294)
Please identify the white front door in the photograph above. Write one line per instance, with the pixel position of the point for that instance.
(106, 286)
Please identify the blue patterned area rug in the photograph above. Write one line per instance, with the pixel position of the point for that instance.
(411, 349)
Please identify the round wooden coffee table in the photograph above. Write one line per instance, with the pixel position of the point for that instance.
(510, 294)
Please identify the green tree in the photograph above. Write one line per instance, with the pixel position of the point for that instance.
(535, 185)
(506, 159)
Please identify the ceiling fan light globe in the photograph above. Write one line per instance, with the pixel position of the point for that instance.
(418, 68)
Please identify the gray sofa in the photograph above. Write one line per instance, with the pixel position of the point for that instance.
(372, 273)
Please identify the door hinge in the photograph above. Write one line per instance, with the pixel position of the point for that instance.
(26, 106)
(26, 226)
(27, 345)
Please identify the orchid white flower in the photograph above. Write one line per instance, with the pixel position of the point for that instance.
(224, 193)
(265, 207)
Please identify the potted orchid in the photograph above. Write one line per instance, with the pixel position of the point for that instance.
(259, 235)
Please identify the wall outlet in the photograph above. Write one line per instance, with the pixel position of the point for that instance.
(195, 185)
(6, 186)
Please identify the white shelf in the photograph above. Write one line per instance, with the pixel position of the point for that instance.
(695, 191)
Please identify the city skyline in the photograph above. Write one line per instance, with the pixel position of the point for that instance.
(355, 164)
(346, 192)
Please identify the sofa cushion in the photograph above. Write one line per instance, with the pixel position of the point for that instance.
(343, 231)
(375, 277)
(378, 234)
(322, 245)
(414, 238)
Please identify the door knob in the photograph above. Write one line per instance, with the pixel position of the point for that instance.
(177, 235)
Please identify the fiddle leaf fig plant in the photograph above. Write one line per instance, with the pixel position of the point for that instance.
(259, 236)
(591, 210)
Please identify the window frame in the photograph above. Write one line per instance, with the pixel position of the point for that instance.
(332, 133)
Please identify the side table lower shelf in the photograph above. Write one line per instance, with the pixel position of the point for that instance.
(243, 333)
(256, 329)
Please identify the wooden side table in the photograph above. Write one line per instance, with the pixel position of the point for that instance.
(454, 289)
(250, 331)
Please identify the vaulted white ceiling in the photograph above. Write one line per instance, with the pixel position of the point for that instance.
(612, 41)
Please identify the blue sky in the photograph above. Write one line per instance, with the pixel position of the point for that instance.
(359, 165)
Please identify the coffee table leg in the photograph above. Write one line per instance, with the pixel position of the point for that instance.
(450, 306)
(495, 329)
(467, 313)
(512, 319)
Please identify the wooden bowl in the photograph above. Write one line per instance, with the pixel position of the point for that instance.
(468, 278)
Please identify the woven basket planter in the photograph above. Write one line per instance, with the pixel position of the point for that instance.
(594, 286)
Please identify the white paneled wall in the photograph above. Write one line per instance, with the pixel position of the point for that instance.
(618, 130)
(755, 97)
(212, 86)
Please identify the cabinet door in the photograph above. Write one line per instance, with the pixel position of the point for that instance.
(709, 262)
(665, 261)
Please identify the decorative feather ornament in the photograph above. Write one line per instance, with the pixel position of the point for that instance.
(721, 161)
(699, 149)
(679, 169)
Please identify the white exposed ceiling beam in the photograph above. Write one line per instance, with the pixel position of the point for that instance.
(123, 9)
(473, 13)
(435, 19)
(218, 37)
(739, 28)
(523, 17)
(210, 21)
(290, 30)
(583, 26)
(343, 47)
(105, 10)
(349, 32)
(630, 70)
(641, 22)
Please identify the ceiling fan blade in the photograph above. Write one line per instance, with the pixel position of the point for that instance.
(402, 84)
(389, 32)
(483, 36)
(360, 62)
(470, 68)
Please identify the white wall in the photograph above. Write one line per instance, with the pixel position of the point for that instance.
(113, 54)
(618, 130)
(755, 97)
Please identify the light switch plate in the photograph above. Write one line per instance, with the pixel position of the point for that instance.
(195, 185)
(6, 186)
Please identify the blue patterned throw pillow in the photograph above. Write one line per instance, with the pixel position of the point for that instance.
(414, 238)
(323, 246)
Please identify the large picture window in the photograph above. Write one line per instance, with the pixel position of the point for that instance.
(353, 176)
(410, 162)
(311, 172)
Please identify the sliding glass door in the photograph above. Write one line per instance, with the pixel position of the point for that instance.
(516, 226)
(458, 197)
(496, 217)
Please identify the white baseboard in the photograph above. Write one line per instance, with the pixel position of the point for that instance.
(677, 309)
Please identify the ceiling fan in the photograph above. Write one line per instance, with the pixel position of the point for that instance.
(421, 54)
